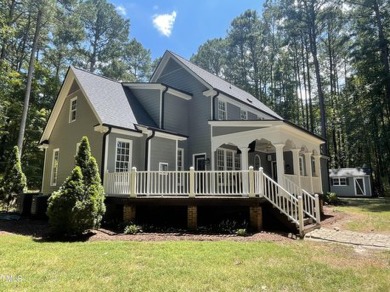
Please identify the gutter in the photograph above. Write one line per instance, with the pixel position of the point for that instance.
(214, 98)
(147, 148)
(104, 154)
(163, 106)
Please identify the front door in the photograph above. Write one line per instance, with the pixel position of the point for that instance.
(359, 186)
(274, 171)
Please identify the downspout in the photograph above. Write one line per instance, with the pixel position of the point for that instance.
(163, 106)
(214, 98)
(104, 154)
(147, 148)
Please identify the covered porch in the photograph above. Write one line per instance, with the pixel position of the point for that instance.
(289, 155)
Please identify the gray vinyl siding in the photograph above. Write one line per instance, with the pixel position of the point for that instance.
(349, 189)
(162, 150)
(65, 137)
(252, 116)
(176, 114)
(199, 110)
(233, 112)
(137, 155)
(150, 100)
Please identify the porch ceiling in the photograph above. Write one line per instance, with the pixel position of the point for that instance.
(241, 133)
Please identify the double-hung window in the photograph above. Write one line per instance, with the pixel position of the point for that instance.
(123, 155)
(73, 110)
(222, 110)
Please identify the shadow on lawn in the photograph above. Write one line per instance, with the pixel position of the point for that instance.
(39, 230)
(369, 205)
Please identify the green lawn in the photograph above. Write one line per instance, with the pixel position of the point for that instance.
(368, 215)
(189, 266)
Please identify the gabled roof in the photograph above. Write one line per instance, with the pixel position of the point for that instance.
(111, 102)
(217, 83)
(108, 98)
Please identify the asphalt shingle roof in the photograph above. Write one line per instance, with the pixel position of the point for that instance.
(110, 100)
(226, 87)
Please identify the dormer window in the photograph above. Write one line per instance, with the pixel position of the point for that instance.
(221, 110)
(73, 109)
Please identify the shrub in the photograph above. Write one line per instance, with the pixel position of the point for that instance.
(79, 203)
(331, 199)
(132, 229)
(241, 232)
(14, 181)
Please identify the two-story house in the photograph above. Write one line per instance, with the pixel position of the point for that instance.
(187, 137)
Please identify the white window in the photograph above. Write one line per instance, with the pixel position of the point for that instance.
(243, 115)
(123, 155)
(220, 159)
(301, 165)
(54, 167)
(221, 110)
(313, 167)
(339, 181)
(180, 161)
(73, 109)
(228, 159)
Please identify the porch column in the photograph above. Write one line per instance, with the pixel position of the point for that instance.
(245, 166)
(309, 171)
(297, 173)
(244, 158)
(279, 162)
(317, 161)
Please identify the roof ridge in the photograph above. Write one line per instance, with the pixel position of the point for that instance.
(96, 75)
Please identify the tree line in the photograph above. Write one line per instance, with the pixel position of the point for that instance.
(322, 64)
(39, 39)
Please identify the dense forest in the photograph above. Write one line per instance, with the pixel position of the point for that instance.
(322, 64)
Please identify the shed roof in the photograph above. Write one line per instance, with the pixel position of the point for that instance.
(349, 172)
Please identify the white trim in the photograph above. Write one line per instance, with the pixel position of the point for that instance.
(181, 150)
(130, 161)
(246, 107)
(77, 147)
(107, 143)
(338, 179)
(161, 87)
(56, 150)
(126, 132)
(101, 129)
(71, 110)
(44, 170)
(161, 108)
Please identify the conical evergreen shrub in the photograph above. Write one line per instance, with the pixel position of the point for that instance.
(80, 199)
(14, 181)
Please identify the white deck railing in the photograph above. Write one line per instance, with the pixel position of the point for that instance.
(287, 196)
(180, 183)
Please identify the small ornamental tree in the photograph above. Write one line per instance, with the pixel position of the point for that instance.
(14, 181)
(79, 203)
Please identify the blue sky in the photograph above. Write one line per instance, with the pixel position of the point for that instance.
(180, 25)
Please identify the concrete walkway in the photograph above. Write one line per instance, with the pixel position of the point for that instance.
(371, 240)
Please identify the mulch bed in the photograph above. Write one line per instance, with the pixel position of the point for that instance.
(38, 229)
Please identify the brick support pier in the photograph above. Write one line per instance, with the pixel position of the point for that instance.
(256, 218)
(192, 217)
(128, 213)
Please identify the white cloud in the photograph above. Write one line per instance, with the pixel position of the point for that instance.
(121, 10)
(164, 23)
